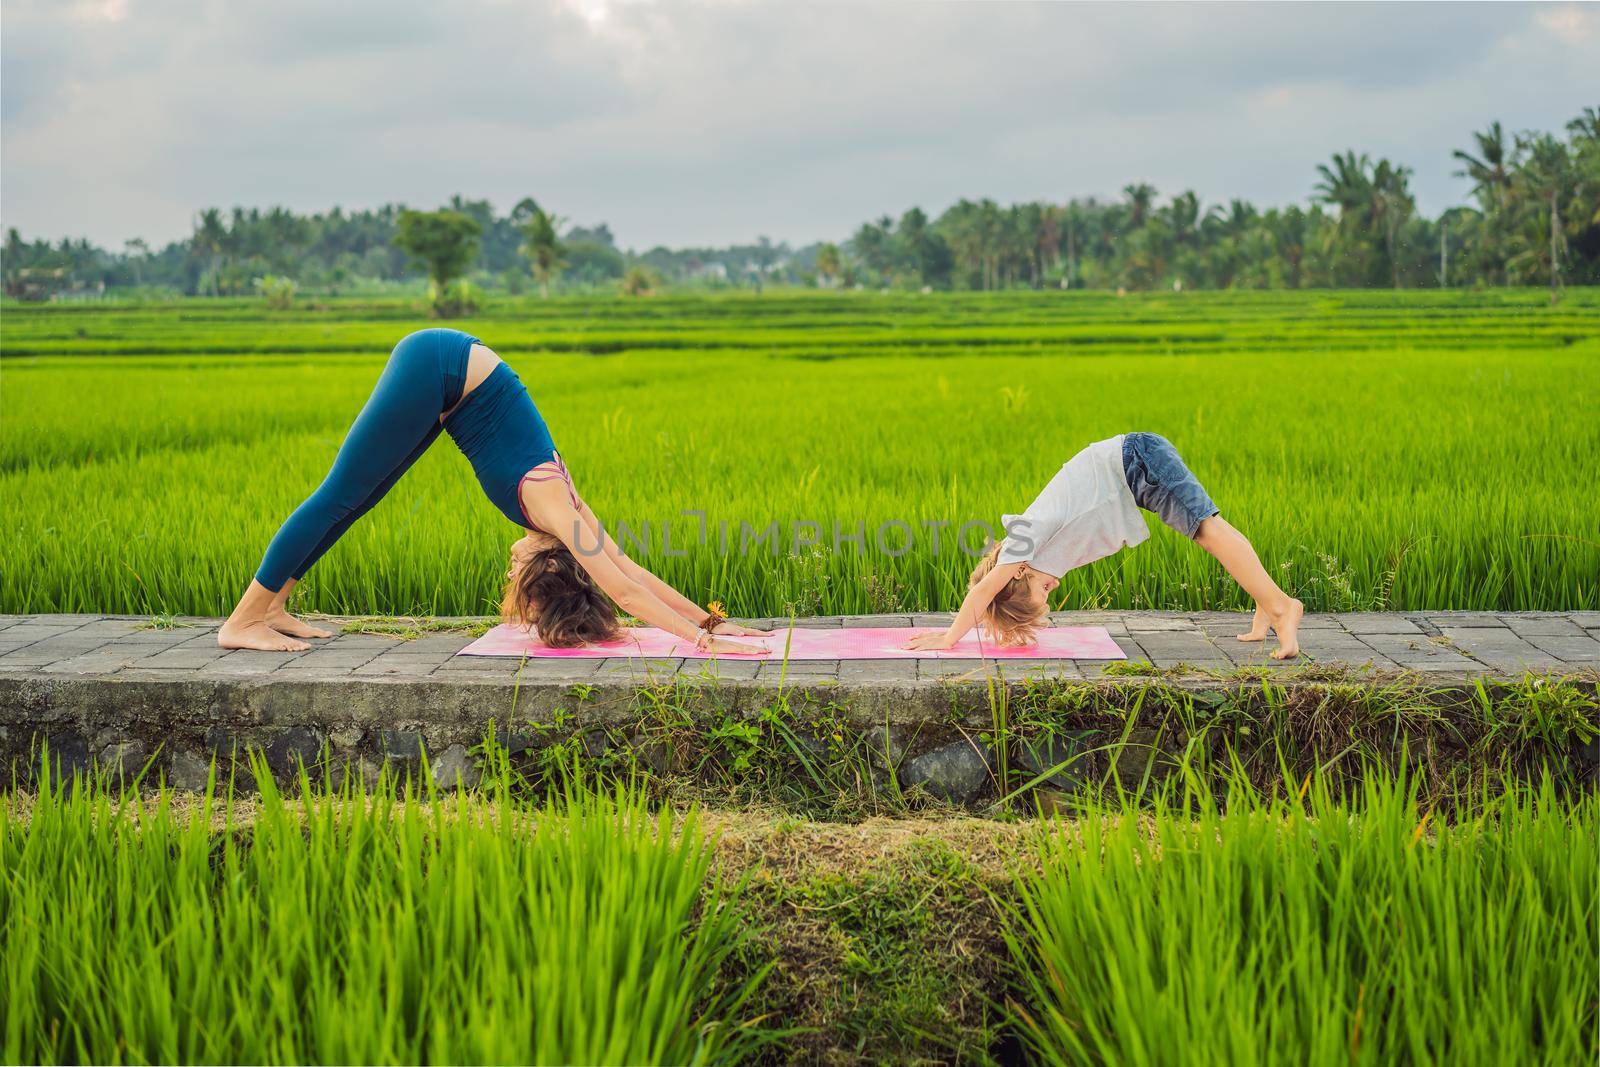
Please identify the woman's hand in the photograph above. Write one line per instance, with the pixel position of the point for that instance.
(734, 648)
(929, 643)
(733, 629)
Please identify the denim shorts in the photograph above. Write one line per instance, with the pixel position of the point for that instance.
(1162, 483)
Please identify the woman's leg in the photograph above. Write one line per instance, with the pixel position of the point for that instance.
(278, 616)
(1274, 608)
(398, 423)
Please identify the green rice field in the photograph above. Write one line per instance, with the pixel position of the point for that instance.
(1383, 450)
(1314, 928)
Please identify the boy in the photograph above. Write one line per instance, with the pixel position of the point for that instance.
(1089, 510)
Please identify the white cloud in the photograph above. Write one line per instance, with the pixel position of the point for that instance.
(715, 122)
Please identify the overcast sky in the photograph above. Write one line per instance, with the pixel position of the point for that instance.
(713, 123)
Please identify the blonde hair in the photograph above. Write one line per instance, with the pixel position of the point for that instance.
(1008, 617)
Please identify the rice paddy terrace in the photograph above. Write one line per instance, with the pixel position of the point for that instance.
(1417, 451)
(380, 851)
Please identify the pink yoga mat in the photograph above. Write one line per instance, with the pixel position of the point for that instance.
(851, 642)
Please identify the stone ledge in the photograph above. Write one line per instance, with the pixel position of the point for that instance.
(932, 732)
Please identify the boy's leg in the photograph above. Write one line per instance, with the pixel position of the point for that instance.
(1274, 608)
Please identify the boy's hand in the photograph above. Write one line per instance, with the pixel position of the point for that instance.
(929, 643)
(733, 629)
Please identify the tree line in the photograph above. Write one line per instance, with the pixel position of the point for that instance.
(1534, 220)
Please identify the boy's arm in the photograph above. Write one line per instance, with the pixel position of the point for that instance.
(977, 600)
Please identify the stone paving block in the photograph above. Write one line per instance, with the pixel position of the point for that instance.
(1376, 623)
(808, 671)
(1577, 650)
(440, 642)
(152, 637)
(66, 620)
(241, 661)
(1139, 622)
(933, 618)
(114, 627)
(200, 639)
(1205, 618)
(721, 669)
(1418, 653)
(878, 621)
(975, 670)
(1110, 624)
(399, 666)
(1016, 670)
(1348, 650)
(1131, 649)
(878, 671)
(482, 664)
(551, 670)
(1169, 647)
(438, 655)
(1500, 649)
(87, 664)
(70, 644)
(35, 631)
(238, 668)
(1543, 626)
(620, 667)
(1460, 619)
(377, 642)
(821, 622)
(28, 656)
(1589, 620)
(185, 657)
(334, 657)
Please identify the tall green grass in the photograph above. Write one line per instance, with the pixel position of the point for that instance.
(1398, 451)
(333, 930)
(1311, 930)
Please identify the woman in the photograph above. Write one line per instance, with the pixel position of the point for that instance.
(562, 569)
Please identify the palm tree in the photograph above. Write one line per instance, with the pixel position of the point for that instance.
(1346, 185)
(1545, 176)
(138, 255)
(1491, 178)
(1140, 196)
(542, 246)
(210, 236)
(1389, 206)
(830, 265)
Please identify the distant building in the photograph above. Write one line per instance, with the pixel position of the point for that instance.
(715, 271)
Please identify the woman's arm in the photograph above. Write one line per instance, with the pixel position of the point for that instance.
(977, 599)
(665, 593)
(551, 510)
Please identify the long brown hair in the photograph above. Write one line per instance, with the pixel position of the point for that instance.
(554, 594)
(1008, 617)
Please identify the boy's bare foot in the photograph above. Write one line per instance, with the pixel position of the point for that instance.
(285, 623)
(1287, 626)
(1260, 626)
(257, 635)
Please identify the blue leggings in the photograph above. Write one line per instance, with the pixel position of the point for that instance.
(423, 379)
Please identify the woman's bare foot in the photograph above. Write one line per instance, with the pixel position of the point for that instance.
(1260, 626)
(285, 623)
(1286, 624)
(257, 635)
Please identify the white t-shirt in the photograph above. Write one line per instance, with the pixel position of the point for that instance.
(1085, 513)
